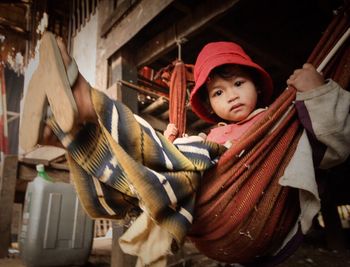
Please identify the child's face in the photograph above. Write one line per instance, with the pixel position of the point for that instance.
(232, 98)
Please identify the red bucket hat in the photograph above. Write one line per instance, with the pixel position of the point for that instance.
(216, 54)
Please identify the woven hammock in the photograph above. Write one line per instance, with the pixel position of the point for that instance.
(241, 211)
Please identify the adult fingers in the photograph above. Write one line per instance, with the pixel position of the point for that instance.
(308, 66)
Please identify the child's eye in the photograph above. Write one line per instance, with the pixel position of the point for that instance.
(217, 93)
(238, 83)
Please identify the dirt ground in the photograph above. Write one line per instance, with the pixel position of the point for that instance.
(312, 253)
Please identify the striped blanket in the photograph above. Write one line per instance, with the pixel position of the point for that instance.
(122, 167)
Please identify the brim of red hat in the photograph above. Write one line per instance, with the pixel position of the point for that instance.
(218, 60)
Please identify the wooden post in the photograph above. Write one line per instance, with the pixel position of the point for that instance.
(118, 257)
(122, 68)
(333, 228)
(7, 194)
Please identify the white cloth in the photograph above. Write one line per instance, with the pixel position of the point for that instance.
(148, 241)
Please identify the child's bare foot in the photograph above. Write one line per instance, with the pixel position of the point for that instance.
(49, 138)
(64, 52)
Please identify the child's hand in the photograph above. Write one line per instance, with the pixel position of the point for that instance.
(306, 79)
(203, 135)
(171, 130)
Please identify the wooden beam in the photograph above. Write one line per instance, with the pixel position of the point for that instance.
(156, 123)
(25, 35)
(133, 22)
(74, 20)
(78, 15)
(160, 102)
(249, 46)
(164, 115)
(123, 68)
(88, 10)
(83, 12)
(142, 89)
(27, 172)
(7, 195)
(93, 6)
(115, 17)
(202, 15)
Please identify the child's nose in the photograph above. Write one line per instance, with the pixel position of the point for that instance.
(232, 95)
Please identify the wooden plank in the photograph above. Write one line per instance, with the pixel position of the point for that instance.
(93, 4)
(7, 195)
(27, 172)
(129, 26)
(142, 89)
(156, 123)
(74, 20)
(83, 12)
(116, 15)
(160, 102)
(59, 166)
(13, 15)
(45, 153)
(45, 162)
(16, 221)
(202, 15)
(114, 91)
(88, 10)
(25, 35)
(78, 15)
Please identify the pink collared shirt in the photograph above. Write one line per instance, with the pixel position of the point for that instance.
(232, 132)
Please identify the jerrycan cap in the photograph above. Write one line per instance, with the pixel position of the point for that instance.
(40, 167)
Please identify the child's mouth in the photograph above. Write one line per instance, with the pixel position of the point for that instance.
(236, 107)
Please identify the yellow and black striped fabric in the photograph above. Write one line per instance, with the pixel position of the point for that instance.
(122, 165)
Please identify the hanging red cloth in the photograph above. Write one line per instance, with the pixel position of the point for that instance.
(177, 98)
(180, 79)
